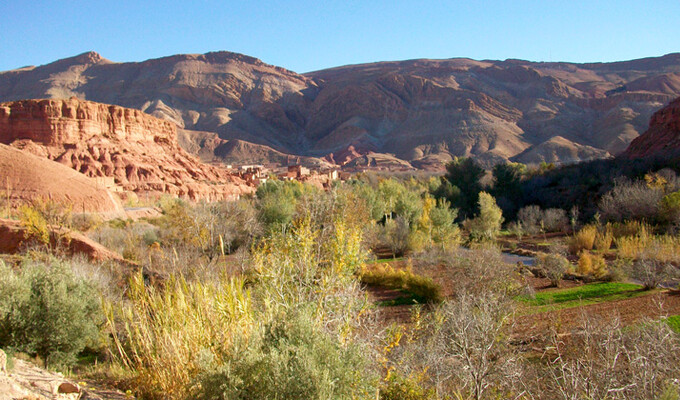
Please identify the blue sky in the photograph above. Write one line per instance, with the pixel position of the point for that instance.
(309, 35)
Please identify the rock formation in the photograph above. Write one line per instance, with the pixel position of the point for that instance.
(420, 111)
(125, 149)
(663, 136)
(25, 177)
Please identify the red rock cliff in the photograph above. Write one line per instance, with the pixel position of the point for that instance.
(663, 135)
(138, 151)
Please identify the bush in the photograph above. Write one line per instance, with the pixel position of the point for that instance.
(290, 358)
(589, 264)
(530, 218)
(46, 311)
(554, 266)
(398, 387)
(555, 220)
(604, 238)
(583, 239)
(631, 200)
(651, 273)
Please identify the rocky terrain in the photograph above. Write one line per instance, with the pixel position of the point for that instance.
(19, 183)
(126, 150)
(662, 137)
(420, 111)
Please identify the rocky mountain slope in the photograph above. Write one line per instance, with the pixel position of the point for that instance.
(126, 149)
(662, 137)
(420, 111)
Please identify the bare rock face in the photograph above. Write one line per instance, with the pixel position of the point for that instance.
(421, 111)
(663, 136)
(124, 148)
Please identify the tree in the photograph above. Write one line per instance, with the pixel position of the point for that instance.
(507, 185)
(465, 175)
(487, 224)
(472, 338)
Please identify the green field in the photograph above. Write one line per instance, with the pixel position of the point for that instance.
(674, 322)
(592, 293)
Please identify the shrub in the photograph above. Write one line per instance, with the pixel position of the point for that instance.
(289, 358)
(583, 239)
(631, 200)
(555, 220)
(45, 310)
(398, 387)
(670, 208)
(604, 238)
(530, 217)
(651, 273)
(590, 264)
(397, 235)
(554, 266)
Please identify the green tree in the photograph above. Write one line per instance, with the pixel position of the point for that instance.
(507, 185)
(465, 175)
(487, 224)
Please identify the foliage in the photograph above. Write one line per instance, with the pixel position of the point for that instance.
(463, 175)
(291, 357)
(604, 238)
(590, 264)
(487, 225)
(663, 248)
(398, 387)
(47, 311)
(670, 208)
(46, 222)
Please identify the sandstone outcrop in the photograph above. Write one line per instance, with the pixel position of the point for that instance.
(663, 136)
(124, 149)
(422, 111)
(25, 177)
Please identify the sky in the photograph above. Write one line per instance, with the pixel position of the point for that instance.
(309, 35)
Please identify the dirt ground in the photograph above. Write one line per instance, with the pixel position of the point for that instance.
(628, 311)
(27, 381)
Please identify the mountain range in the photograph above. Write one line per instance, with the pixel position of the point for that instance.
(402, 114)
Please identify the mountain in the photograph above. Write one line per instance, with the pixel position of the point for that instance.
(124, 149)
(663, 136)
(418, 111)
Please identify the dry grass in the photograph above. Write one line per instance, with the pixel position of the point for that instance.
(663, 248)
(158, 334)
(583, 239)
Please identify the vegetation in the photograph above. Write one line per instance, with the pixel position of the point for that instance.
(590, 293)
(45, 310)
(273, 296)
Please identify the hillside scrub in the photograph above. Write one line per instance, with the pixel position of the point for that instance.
(46, 310)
